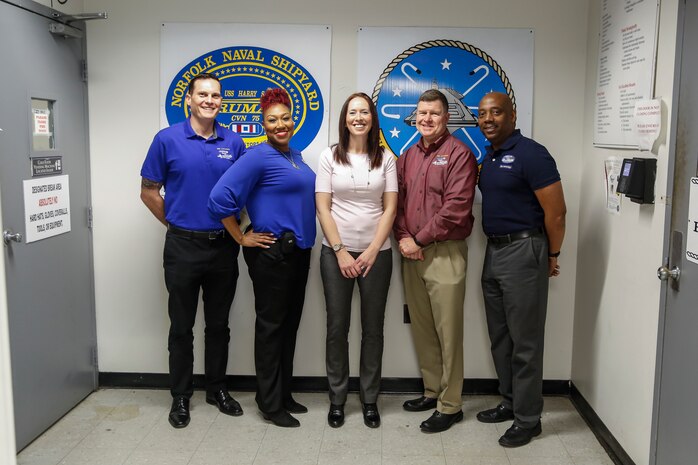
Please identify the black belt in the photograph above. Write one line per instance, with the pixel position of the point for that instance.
(509, 238)
(209, 235)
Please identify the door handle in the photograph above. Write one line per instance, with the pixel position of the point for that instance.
(8, 235)
(664, 273)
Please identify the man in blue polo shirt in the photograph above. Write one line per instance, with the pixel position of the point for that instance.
(187, 159)
(523, 216)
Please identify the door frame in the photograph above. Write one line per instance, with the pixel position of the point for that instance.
(666, 247)
(7, 417)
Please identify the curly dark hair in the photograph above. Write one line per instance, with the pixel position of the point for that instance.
(272, 96)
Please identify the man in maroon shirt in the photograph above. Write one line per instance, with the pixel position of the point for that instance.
(436, 179)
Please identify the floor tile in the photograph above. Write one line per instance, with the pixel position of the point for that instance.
(409, 459)
(540, 460)
(158, 457)
(592, 460)
(130, 427)
(461, 460)
(40, 456)
(222, 457)
(348, 458)
(96, 457)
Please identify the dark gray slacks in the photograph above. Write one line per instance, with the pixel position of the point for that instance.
(373, 290)
(515, 290)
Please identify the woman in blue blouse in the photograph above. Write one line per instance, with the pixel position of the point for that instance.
(278, 189)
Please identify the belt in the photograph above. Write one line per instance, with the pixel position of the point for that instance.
(209, 235)
(509, 238)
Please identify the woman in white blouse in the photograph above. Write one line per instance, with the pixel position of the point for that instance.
(356, 200)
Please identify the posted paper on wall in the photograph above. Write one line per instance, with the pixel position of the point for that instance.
(46, 207)
(612, 171)
(692, 229)
(648, 122)
(628, 36)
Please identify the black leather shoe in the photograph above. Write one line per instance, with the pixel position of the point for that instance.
(439, 422)
(517, 436)
(179, 413)
(372, 418)
(291, 406)
(496, 415)
(420, 404)
(282, 419)
(335, 417)
(224, 402)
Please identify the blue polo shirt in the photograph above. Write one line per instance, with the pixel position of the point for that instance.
(279, 197)
(508, 178)
(189, 166)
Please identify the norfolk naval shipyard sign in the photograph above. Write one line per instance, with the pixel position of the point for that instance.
(245, 73)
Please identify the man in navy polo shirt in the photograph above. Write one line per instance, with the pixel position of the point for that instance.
(523, 216)
(187, 159)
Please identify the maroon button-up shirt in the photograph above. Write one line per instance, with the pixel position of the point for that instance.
(436, 191)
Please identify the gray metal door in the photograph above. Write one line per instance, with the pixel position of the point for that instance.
(43, 117)
(676, 402)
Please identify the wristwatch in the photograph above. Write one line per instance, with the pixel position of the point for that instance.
(554, 255)
(337, 247)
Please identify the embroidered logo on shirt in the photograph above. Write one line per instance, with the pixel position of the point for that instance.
(223, 152)
(508, 159)
(440, 160)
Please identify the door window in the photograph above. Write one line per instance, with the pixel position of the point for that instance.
(43, 135)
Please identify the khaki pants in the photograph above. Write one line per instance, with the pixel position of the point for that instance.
(435, 291)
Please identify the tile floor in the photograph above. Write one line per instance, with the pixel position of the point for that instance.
(129, 427)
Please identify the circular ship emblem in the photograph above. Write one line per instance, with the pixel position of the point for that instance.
(462, 72)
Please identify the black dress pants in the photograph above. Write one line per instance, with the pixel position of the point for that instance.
(278, 281)
(210, 265)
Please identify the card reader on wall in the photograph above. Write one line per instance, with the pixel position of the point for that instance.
(636, 179)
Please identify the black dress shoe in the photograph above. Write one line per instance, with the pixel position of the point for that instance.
(439, 422)
(335, 417)
(291, 406)
(420, 404)
(179, 413)
(372, 418)
(496, 415)
(224, 402)
(517, 436)
(282, 419)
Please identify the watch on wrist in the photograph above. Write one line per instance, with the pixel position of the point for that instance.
(337, 247)
(554, 255)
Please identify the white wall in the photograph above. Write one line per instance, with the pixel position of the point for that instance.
(618, 293)
(123, 57)
(7, 418)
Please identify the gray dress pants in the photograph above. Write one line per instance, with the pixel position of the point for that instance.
(373, 290)
(515, 290)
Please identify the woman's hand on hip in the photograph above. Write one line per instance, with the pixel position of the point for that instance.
(255, 239)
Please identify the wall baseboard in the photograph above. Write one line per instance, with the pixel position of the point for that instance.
(471, 386)
(613, 448)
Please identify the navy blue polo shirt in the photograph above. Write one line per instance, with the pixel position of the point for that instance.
(279, 196)
(508, 178)
(189, 166)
